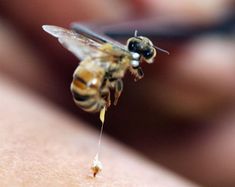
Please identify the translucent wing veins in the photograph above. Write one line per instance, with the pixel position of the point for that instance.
(79, 45)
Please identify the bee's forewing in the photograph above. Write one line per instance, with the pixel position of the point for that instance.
(79, 45)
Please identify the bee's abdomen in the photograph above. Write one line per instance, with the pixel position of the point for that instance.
(85, 95)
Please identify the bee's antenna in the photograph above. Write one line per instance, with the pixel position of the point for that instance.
(136, 33)
(162, 50)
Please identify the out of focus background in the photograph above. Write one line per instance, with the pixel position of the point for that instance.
(181, 115)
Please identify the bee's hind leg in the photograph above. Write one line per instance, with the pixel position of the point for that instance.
(105, 93)
(118, 86)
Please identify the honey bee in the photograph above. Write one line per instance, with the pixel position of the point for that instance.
(104, 63)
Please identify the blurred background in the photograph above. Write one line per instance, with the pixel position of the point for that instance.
(181, 115)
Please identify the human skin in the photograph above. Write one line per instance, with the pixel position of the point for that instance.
(41, 145)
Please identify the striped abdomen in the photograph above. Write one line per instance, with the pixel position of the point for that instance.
(86, 87)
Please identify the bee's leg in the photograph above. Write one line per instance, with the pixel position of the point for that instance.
(137, 72)
(118, 86)
(140, 73)
(105, 93)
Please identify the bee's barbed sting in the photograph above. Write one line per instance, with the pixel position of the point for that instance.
(96, 166)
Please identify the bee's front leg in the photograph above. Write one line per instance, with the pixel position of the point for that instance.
(137, 72)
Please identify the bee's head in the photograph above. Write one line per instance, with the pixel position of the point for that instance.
(143, 47)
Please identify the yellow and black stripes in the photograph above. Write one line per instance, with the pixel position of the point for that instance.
(86, 95)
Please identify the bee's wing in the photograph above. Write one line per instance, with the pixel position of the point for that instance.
(100, 38)
(78, 44)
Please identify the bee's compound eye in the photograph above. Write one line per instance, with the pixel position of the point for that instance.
(133, 46)
(148, 53)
